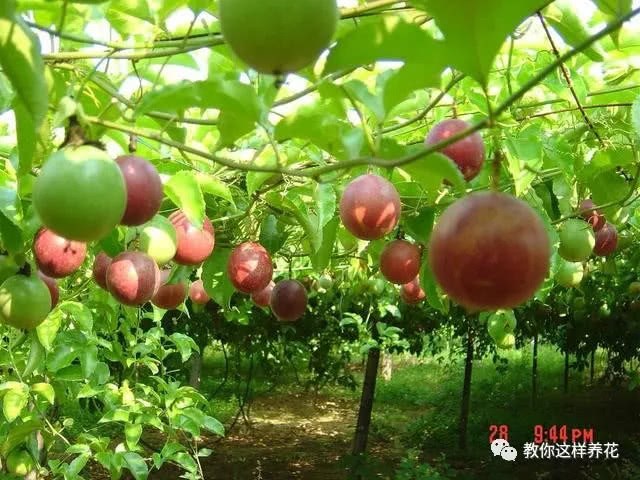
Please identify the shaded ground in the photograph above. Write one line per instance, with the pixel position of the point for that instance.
(291, 436)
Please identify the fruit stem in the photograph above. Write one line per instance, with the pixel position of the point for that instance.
(496, 164)
(75, 135)
(133, 143)
(25, 270)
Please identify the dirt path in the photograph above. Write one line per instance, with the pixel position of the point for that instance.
(295, 436)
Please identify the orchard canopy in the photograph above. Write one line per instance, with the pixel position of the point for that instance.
(184, 174)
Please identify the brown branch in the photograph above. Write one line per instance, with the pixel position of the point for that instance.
(575, 109)
(567, 77)
(429, 107)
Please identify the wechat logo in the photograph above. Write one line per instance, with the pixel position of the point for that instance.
(501, 447)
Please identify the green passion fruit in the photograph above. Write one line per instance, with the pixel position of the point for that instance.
(569, 274)
(501, 323)
(80, 193)
(278, 36)
(24, 301)
(576, 240)
(20, 462)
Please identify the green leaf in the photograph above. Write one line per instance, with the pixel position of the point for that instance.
(45, 390)
(125, 15)
(474, 31)
(225, 95)
(524, 157)
(61, 357)
(428, 284)
(562, 17)
(608, 187)
(36, 356)
(89, 360)
(431, 170)
(255, 180)
(359, 91)
(48, 329)
(184, 191)
(18, 434)
(324, 197)
(185, 345)
(213, 425)
(14, 401)
(79, 313)
(26, 131)
(272, 234)
(22, 63)
(132, 434)
(419, 226)
(11, 235)
(410, 77)
(136, 465)
(213, 186)
(389, 38)
(322, 257)
(215, 279)
(76, 466)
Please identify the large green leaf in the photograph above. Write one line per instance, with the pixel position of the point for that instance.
(184, 190)
(428, 284)
(474, 31)
(272, 234)
(322, 257)
(213, 93)
(13, 401)
(562, 17)
(390, 38)
(420, 226)
(215, 279)
(136, 465)
(431, 170)
(22, 63)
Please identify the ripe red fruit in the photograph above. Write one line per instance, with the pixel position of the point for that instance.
(143, 187)
(589, 213)
(412, 292)
(133, 278)
(55, 256)
(370, 207)
(489, 251)
(100, 266)
(250, 268)
(198, 294)
(194, 244)
(288, 300)
(467, 153)
(170, 296)
(52, 285)
(606, 240)
(263, 297)
(400, 261)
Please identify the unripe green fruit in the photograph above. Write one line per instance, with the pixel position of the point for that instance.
(507, 342)
(569, 274)
(500, 324)
(24, 301)
(278, 36)
(634, 288)
(325, 281)
(158, 239)
(20, 462)
(80, 193)
(576, 240)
